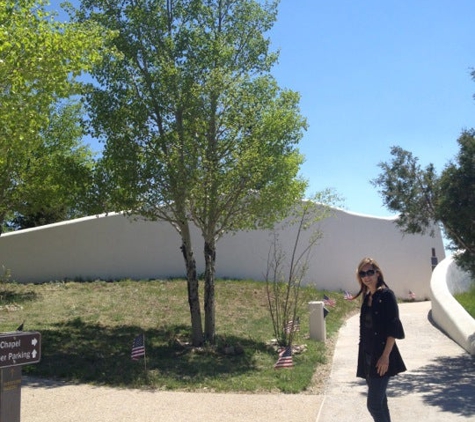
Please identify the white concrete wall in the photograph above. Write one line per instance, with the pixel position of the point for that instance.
(447, 313)
(114, 247)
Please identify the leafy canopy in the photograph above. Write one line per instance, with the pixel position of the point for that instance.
(39, 61)
(59, 173)
(193, 121)
(423, 199)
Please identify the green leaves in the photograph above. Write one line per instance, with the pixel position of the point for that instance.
(456, 206)
(58, 173)
(409, 190)
(191, 100)
(39, 60)
(424, 199)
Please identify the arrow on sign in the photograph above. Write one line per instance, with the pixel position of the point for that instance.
(19, 348)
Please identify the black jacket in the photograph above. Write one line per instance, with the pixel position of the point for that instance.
(386, 323)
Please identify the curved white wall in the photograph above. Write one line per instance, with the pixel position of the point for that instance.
(447, 313)
(114, 247)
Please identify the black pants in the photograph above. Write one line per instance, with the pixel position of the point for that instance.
(377, 401)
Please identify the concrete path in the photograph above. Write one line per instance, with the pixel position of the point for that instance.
(439, 386)
(65, 403)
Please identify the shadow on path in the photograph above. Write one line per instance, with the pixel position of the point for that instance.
(446, 382)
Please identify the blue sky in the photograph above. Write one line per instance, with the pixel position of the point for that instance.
(373, 74)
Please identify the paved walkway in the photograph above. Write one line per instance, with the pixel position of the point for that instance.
(439, 386)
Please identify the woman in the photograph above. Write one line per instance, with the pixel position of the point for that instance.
(380, 326)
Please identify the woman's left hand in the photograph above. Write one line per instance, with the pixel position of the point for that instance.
(382, 365)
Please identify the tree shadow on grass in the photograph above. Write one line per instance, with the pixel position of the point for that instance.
(447, 382)
(90, 353)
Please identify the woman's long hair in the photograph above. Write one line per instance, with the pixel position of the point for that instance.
(375, 266)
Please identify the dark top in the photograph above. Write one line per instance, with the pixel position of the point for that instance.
(378, 322)
(366, 329)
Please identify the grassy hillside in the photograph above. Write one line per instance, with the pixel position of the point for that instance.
(87, 331)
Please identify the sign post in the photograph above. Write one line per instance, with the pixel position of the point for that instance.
(10, 394)
(16, 349)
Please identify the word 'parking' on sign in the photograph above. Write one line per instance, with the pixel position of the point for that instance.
(20, 348)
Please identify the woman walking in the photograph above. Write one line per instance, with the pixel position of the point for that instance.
(380, 326)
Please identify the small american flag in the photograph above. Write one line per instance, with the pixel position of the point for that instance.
(348, 296)
(328, 301)
(285, 358)
(292, 326)
(138, 347)
(412, 295)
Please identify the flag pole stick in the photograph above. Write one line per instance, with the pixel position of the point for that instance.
(144, 355)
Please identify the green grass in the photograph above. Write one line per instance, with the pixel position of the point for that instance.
(467, 300)
(87, 330)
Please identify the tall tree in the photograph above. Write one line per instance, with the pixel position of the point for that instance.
(59, 173)
(39, 61)
(456, 205)
(424, 199)
(196, 129)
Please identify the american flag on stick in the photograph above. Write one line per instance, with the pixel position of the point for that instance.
(285, 358)
(138, 347)
(348, 296)
(412, 295)
(329, 302)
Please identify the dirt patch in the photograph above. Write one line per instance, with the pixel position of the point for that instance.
(322, 373)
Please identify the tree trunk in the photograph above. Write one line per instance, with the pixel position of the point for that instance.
(193, 292)
(210, 318)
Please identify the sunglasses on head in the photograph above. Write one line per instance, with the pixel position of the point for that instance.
(368, 273)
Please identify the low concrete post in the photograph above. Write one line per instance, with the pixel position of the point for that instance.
(317, 324)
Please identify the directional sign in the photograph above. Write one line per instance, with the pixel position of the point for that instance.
(20, 348)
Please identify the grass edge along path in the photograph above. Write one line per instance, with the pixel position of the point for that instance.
(467, 300)
(88, 327)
